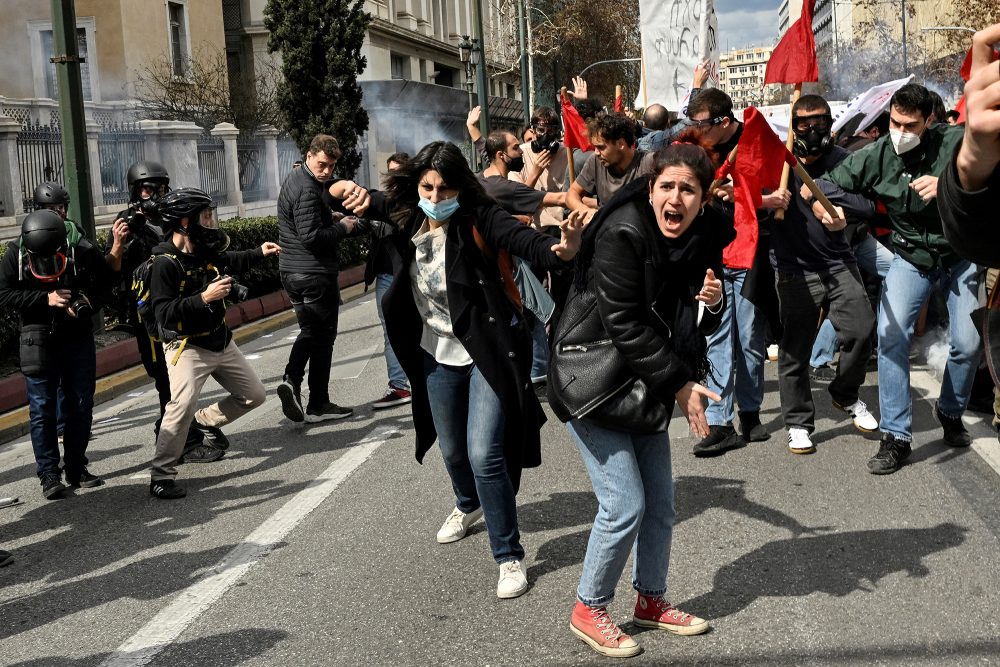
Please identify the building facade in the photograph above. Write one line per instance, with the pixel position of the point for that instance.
(788, 13)
(741, 75)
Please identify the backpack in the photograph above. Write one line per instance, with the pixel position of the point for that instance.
(141, 292)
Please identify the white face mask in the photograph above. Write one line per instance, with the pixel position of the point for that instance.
(903, 142)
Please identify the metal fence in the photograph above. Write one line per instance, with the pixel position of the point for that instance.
(288, 154)
(250, 156)
(119, 146)
(40, 158)
(212, 168)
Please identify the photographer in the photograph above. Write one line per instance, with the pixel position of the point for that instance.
(56, 279)
(189, 286)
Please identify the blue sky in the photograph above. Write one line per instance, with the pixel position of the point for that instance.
(743, 22)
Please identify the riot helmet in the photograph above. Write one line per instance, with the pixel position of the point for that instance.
(147, 174)
(53, 196)
(196, 206)
(44, 242)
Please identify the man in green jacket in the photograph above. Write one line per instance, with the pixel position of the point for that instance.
(902, 171)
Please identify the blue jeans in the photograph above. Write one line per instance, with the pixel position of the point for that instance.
(906, 289)
(468, 417)
(874, 258)
(539, 349)
(73, 367)
(736, 352)
(397, 377)
(634, 486)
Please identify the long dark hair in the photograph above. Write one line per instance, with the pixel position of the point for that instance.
(689, 150)
(446, 159)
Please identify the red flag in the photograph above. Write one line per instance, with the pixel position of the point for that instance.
(966, 72)
(574, 128)
(759, 157)
(794, 58)
(618, 103)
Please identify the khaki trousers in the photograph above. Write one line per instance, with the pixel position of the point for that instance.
(187, 377)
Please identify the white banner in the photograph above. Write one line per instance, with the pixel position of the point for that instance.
(871, 103)
(676, 36)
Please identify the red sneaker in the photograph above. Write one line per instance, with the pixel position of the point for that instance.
(594, 626)
(655, 612)
(392, 398)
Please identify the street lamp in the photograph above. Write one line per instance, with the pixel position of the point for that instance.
(465, 54)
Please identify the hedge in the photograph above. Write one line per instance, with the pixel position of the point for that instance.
(245, 233)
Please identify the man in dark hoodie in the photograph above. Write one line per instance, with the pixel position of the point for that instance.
(190, 282)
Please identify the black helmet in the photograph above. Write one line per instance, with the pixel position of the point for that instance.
(43, 238)
(145, 173)
(50, 192)
(182, 203)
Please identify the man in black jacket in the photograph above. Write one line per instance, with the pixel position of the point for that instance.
(189, 285)
(309, 236)
(56, 279)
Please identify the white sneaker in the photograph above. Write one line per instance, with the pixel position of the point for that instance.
(799, 442)
(864, 420)
(772, 352)
(457, 524)
(512, 581)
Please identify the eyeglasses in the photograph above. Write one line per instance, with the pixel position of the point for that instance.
(803, 124)
(707, 122)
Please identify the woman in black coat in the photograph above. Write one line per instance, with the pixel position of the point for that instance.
(461, 338)
(631, 343)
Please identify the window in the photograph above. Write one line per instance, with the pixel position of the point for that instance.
(398, 66)
(43, 72)
(446, 76)
(51, 80)
(177, 24)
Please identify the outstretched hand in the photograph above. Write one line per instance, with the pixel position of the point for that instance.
(569, 239)
(711, 290)
(690, 399)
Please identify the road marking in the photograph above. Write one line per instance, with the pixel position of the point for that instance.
(354, 366)
(252, 356)
(171, 622)
(986, 447)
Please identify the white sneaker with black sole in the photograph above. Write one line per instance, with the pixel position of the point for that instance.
(799, 441)
(457, 525)
(327, 412)
(864, 420)
(291, 402)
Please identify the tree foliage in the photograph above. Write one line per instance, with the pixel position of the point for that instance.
(320, 44)
(206, 96)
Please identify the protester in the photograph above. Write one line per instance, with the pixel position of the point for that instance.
(309, 237)
(461, 338)
(816, 271)
(379, 269)
(646, 283)
(544, 168)
(736, 348)
(656, 118)
(615, 163)
(901, 171)
(56, 279)
(190, 281)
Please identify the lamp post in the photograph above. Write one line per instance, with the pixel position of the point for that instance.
(465, 55)
(479, 61)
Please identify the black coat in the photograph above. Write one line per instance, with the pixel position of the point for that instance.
(970, 219)
(307, 232)
(483, 319)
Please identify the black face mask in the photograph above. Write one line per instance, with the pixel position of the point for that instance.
(515, 163)
(208, 242)
(812, 143)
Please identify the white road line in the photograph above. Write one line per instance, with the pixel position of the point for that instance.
(354, 366)
(168, 625)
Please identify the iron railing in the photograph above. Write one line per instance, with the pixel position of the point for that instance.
(212, 168)
(119, 146)
(40, 158)
(250, 156)
(288, 154)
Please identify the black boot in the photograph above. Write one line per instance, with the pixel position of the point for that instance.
(751, 428)
(720, 439)
(955, 434)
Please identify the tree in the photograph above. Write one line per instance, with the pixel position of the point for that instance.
(206, 96)
(320, 44)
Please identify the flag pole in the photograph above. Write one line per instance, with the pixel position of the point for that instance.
(642, 70)
(789, 143)
(728, 164)
(569, 151)
(618, 96)
(801, 172)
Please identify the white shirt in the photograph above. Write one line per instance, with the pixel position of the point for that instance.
(430, 293)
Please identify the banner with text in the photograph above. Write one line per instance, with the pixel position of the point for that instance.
(676, 36)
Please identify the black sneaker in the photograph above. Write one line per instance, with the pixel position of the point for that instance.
(291, 401)
(203, 453)
(52, 486)
(5, 558)
(751, 428)
(165, 489)
(83, 479)
(326, 412)
(720, 439)
(824, 373)
(890, 456)
(213, 435)
(955, 434)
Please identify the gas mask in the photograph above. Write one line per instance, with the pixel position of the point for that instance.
(812, 135)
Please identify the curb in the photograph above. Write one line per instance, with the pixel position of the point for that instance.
(14, 424)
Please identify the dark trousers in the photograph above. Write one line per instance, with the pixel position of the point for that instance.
(72, 366)
(842, 295)
(316, 301)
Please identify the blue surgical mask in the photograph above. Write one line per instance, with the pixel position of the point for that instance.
(440, 211)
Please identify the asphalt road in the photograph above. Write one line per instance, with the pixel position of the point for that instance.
(314, 545)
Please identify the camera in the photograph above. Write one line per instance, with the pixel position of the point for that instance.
(545, 143)
(237, 292)
(138, 214)
(78, 302)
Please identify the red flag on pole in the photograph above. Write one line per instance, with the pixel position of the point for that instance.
(966, 72)
(759, 157)
(794, 58)
(574, 128)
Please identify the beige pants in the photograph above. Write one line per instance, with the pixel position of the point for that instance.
(187, 377)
